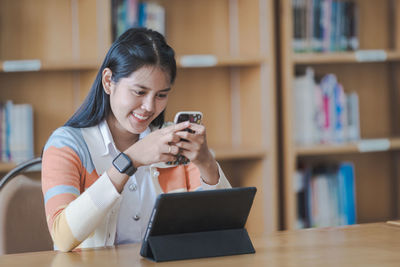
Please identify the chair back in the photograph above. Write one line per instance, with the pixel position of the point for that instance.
(23, 226)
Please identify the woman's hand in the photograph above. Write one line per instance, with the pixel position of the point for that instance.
(158, 146)
(195, 148)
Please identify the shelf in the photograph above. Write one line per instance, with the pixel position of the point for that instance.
(362, 146)
(239, 153)
(209, 61)
(346, 57)
(41, 65)
(316, 150)
(186, 61)
(88, 65)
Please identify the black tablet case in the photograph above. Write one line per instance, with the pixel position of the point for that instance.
(199, 224)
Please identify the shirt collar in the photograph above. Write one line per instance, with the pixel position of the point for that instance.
(108, 140)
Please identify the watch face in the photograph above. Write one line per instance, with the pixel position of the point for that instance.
(122, 162)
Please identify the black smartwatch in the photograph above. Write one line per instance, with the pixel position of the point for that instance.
(124, 164)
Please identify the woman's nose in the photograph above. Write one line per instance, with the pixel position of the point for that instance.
(148, 103)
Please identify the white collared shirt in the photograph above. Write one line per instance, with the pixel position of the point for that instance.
(138, 194)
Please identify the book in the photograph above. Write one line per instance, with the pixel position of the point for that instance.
(121, 26)
(353, 18)
(304, 94)
(7, 133)
(317, 26)
(132, 13)
(299, 185)
(347, 193)
(298, 25)
(324, 25)
(328, 84)
(325, 195)
(353, 117)
(339, 124)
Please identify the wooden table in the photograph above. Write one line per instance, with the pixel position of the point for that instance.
(359, 245)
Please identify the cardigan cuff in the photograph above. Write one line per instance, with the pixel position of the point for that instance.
(103, 192)
(222, 181)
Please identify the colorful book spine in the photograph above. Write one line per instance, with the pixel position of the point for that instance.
(347, 193)
(8, 116)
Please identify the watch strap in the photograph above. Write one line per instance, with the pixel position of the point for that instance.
(131, 170)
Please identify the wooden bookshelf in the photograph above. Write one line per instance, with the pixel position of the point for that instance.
(234, 88)
(372, 72)
(236, 93)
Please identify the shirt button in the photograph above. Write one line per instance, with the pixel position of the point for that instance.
(136, 217)
(132, 187)
(156, 173)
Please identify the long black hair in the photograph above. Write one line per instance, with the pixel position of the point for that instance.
(135, 48)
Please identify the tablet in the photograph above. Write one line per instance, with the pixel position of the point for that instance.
(176, 214)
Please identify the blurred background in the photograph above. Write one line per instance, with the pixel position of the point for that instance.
(300, 97)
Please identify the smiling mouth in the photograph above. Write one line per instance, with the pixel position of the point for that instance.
(140, 117)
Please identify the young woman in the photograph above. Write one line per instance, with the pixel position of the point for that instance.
(102, 171)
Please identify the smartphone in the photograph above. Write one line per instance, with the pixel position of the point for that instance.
(193, 117)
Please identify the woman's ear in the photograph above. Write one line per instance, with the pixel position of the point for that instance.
(106, 79)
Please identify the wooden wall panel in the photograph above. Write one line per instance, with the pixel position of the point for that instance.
(249, 27)
(373, 24)
(195, 27)
(206, 90)
(250, 107)
(28, 31)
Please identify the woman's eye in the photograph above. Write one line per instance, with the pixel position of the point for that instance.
(139, 92)
(162, 95)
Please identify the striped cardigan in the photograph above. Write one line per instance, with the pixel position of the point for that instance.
(81, 203)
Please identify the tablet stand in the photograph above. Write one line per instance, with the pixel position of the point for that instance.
(199, 245)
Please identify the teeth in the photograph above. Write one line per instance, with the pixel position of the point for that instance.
(140, 117)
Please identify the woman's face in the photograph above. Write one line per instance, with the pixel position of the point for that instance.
(138, 99)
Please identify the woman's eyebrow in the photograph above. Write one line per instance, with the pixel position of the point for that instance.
(147, 88)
